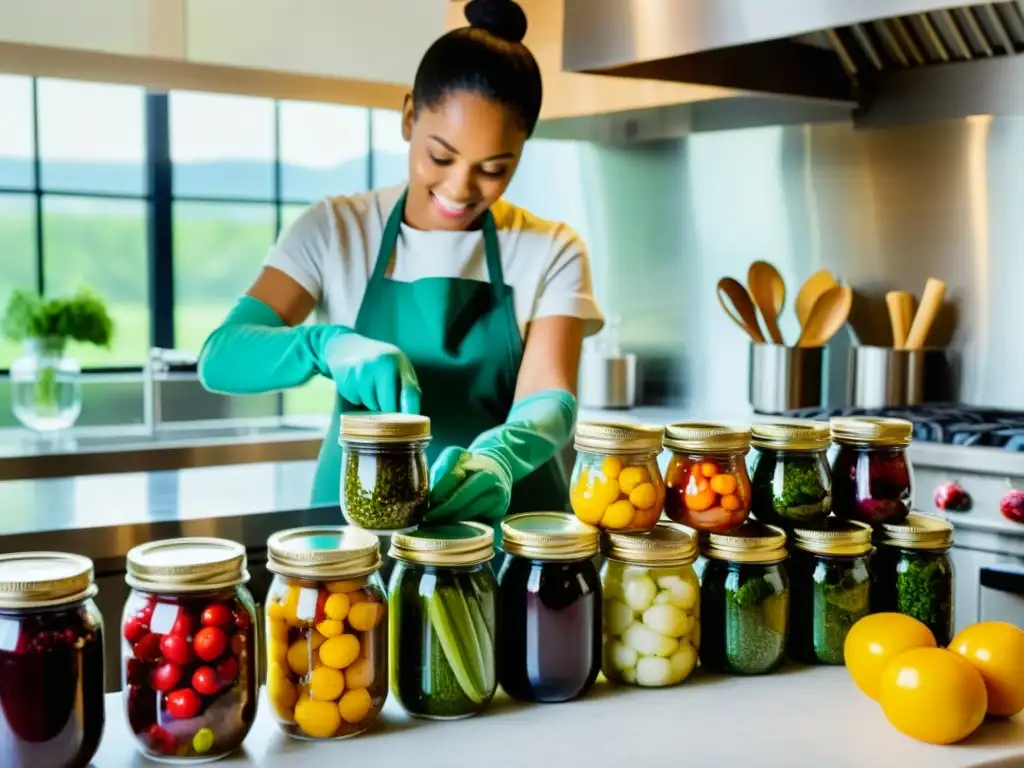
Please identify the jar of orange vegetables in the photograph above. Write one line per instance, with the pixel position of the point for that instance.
(708, 484)
(616, 483)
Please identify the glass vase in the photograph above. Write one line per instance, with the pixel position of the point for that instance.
(46, 388)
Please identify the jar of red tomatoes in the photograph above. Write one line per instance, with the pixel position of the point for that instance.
(189, 649)
(708, 484)
(616, 483)
(327, 632)
(872, 480)
(51, 661)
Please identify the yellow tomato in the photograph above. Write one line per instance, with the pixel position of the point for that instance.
(611, 467)
(996, 650)
(876, 639)
(631, 477)
(933, 695)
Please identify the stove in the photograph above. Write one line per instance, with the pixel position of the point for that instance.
(948, 423)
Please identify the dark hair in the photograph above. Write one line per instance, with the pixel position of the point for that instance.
(486, 58)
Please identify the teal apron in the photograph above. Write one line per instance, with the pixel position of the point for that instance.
(463, 340)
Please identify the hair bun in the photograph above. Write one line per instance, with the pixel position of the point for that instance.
(502, 18)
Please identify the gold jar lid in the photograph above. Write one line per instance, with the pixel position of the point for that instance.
(752, 542)
(791, 436)
(869, 430)
(323, 553)
(384, 427)
(666, 545)
(834, 537)
(613, 437)
(707, 437)
(455, 544)
(42, 579)
(918, 531)
(186, 565)
(549, 536)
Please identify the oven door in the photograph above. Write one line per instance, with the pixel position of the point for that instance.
(1001, 593)
(972, 601)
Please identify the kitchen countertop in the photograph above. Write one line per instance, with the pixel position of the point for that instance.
(796, 717)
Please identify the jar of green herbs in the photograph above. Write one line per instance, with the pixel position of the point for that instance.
(790, 476)
(912, 572)
(384, 475)
(744, 600)
(830, 588)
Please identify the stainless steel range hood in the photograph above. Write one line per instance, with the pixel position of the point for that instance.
(834, 50)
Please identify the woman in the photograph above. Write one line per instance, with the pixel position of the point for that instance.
(437, 297)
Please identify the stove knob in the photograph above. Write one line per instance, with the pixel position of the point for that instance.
(951, 497)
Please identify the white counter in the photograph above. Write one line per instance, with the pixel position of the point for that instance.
(797, 717)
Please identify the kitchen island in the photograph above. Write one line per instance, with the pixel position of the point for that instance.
(796, 717)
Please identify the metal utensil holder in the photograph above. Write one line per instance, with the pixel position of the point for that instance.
(883, 377)
(785, 378)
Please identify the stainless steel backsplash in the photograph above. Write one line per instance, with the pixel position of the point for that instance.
(883, 209)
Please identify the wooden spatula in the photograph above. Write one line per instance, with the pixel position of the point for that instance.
(830, 313)
(931, 302)
(768, 291)
(737, 305)
(901, 315)
(813, 287)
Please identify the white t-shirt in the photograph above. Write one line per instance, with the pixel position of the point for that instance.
(331, 249)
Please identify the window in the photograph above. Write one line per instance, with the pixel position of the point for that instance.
(390, 152)
(324, 150)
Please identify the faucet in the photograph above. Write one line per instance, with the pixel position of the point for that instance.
(159, 363)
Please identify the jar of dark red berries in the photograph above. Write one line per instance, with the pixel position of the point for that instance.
(189, 649)
(51, 661)
(872, 481)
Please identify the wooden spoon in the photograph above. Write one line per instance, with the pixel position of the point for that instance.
(931, 302)
(901, 314)
(769, 294)
(813, 287)
(830, 313)
(738, 306)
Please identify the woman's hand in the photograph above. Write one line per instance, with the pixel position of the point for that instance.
(372, 374)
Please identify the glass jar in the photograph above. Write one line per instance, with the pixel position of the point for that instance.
(384, 476)
(830, 588)
(326, 632)
(616, 482)
(651, 606)
(744, 600)
(708, 484)
(549, 608)
(442, 607)
(872, 480)
(792, 482)
(912, 572)
(188, 646)
(46, 386)
(51, 661)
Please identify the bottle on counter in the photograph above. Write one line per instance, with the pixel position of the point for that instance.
(384, 475)
(326, 631)
(442, 607)
(791, 479)
(872, 480)
(616, 483)
(744, 600)
(651, 606)
(51, 661)
(549, 607)
(707, 479)
(189, 649)
(912, 572)
(830, 587)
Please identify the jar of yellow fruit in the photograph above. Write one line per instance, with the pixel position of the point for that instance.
(326, 631)
(616, 483)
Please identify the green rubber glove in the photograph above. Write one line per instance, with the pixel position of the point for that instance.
(253, 351)
(476, 484)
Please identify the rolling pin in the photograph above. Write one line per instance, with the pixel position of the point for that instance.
(931, 302)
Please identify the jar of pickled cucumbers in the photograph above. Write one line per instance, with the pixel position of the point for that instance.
(872, 479)
(830, 588)
(744, 600)
(616, 482)
(326, 631)
(51, 661)
(189, 649)
(443, 603)
(651, 606)
(549, 607)
(707, 480)
(791, 479)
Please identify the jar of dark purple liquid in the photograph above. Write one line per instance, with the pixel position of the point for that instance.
(872, 480)
(549, 608)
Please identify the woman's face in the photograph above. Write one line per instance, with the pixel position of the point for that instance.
(462, 154)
